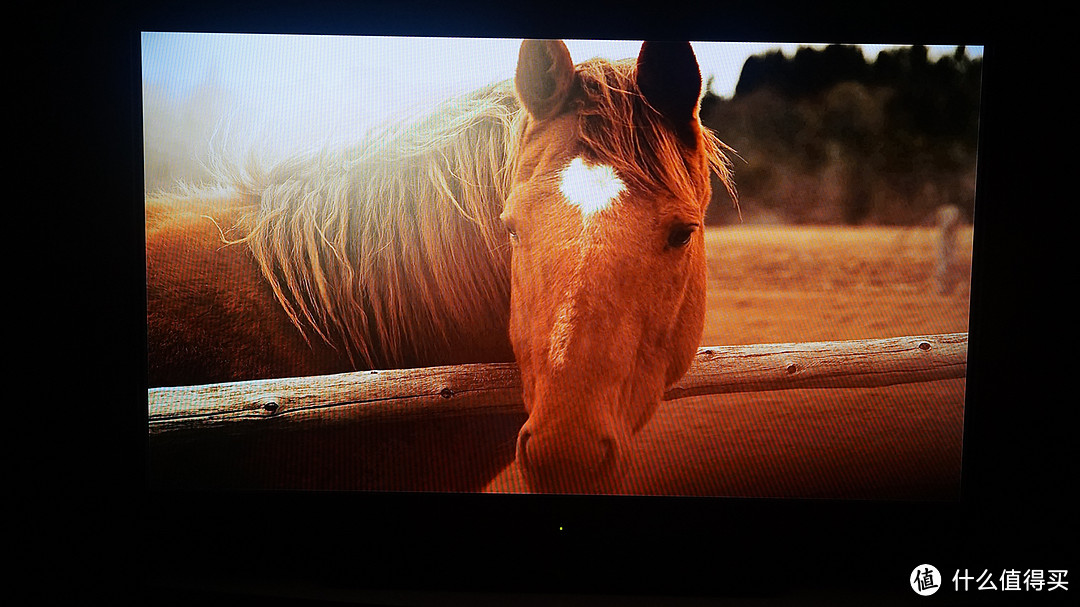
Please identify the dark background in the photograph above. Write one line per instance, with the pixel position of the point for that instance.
(103, 535)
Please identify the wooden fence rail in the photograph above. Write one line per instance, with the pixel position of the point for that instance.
(477, 388)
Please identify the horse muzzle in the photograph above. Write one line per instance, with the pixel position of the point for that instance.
(569, 460)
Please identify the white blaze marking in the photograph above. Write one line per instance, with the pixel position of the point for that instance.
(590, 190)
(560, 334)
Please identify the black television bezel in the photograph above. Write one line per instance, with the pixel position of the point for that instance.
(213, 544)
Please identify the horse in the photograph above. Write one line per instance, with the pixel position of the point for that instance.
(555, 219)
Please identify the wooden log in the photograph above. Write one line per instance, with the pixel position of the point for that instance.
(470, 389)
(863, 363)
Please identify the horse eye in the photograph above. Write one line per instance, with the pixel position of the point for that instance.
(508, 223)
(680, 235)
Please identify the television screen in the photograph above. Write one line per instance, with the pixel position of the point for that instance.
(462, 265)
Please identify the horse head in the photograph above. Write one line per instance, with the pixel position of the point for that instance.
(606, 220)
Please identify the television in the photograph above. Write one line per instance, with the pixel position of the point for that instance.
(827, 243)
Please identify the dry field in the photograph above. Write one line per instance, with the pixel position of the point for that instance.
(797, 284)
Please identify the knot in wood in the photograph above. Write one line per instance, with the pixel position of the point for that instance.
(271, 407)
(924, 345)
(446, 393)
(792, 368)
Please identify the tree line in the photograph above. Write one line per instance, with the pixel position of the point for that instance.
(827, 136)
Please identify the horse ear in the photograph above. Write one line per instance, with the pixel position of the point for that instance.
(670, 80)
(545, 74)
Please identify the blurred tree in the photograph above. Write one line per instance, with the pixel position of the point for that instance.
(828, 136)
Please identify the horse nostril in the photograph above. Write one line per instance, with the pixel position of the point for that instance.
(610, 453)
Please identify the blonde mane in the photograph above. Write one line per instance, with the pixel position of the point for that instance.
(382, 248)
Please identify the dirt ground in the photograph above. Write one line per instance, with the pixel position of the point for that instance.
(796, 284)
(775, 284)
